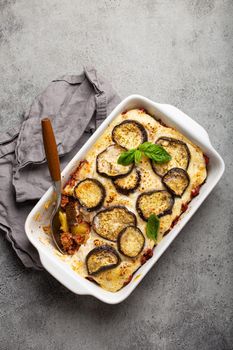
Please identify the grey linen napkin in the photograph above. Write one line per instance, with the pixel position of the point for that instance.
(76, 104)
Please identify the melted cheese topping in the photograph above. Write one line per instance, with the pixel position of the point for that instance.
(114, 279)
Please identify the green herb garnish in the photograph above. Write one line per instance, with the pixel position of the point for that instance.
(127, 157)
(152, 227)
(137, 156)
(153, 151)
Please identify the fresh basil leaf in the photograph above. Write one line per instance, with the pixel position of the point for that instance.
(152, 227)
(137, 156)
(155, 152)
(146, 146)
(127, 157)
(159, 155)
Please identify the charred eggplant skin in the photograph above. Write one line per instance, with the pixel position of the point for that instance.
(112, 176)
(103, 268)
(121, 234)
(165, 212)
(180, 171)
(102, 190)
(126, 191)
(171, 140)
(140, 127)
(92, 280)
(109, 210)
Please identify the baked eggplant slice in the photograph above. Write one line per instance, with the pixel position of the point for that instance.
(101, 259)
(129, 183)
(176, 180)
(90, 194)
(108, 223)
(129, 134)
(71, 212)
(179, 152)
(107, 166)
(159, 202)
(130, 241)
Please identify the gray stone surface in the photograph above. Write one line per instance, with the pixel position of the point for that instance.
(179, 52)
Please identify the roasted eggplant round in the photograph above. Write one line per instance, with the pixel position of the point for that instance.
(129, 134)
(129, 183)
(179, 152)
(90, 194)
(130, 241)
(71, 212)
(176, 180)
(107, 166)
(109, 222)
(101, 259)
(159, 202)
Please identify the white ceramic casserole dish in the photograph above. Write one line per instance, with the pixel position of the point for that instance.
(58, 267)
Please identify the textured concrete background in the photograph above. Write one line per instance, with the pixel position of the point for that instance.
(179, 52)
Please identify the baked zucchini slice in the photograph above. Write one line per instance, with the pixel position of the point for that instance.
(179, 152)
(108, 223)
(129, 134)
(129, 183)
(107, 166)
(159, 202)
(101, 259)
(130, 241)
(90, 194)
(176, 180)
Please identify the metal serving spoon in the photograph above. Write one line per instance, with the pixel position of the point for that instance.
(55, 173)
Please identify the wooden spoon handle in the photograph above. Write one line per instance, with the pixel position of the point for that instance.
(51, 149)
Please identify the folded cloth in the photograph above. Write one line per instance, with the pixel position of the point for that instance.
(76, 104)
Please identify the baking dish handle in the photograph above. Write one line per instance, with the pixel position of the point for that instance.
(177, 115)
(64, 278)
